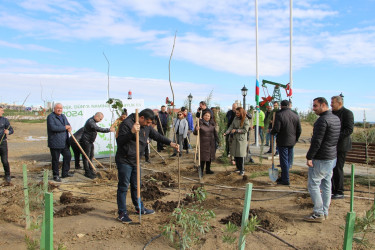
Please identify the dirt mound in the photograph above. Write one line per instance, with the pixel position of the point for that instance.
(298, 177)
(161, 206)
(304, 201)
(108, 174)
(169, 184)
(12, 213)
(67, 198)
(150, 192)
(159, 176)
(268, 220)
(72, 211)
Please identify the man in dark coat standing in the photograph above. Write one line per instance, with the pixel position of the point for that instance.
(126, 158)
(162, 125)
(231, 114)
(90, 131)
(287, 127)
(58, 128)
(343, 146)
(321, 159)
(5, 130)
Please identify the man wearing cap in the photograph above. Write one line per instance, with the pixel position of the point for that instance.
(287, 129)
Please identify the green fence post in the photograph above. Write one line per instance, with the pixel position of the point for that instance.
(26, 194)
(45, 180)
(245, 215)
(48, 215)
(350, 217)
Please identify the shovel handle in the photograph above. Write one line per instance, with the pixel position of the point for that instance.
(83, 151)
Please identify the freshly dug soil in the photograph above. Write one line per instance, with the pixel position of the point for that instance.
(304, 201)
(67, 198)
(268, 220)
(72, 211)
(150, 192)
(161, 206)
(159, 176)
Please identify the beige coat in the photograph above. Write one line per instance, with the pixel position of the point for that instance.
(239, 144)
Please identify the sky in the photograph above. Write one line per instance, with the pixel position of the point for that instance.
(56, 50)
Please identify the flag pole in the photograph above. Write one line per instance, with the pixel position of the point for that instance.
(291, 50)
(257, 74)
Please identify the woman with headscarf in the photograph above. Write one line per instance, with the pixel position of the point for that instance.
(239, 128)
(208, 138)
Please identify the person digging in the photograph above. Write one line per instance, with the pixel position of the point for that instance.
(126, 159)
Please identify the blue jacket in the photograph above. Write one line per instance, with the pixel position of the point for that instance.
(57, 133)
(189, 118)
(4, 124)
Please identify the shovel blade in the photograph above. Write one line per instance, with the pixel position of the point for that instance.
(273, 173)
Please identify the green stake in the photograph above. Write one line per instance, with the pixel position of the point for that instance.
(245, 215)
(45, 180)
(26, 193)
(48, 214)
(350, 217)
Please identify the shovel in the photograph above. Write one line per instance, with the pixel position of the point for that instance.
(273, 172)
(165, 162)
(138, 168)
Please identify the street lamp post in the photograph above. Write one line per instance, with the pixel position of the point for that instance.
(244, 93)
(190, 98)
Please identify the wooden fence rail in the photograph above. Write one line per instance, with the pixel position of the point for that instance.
(361, 153)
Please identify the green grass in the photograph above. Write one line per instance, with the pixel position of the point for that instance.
(29, 121)
(361, 180)
(258, 174)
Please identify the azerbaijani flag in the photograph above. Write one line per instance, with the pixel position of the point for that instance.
(257, 93)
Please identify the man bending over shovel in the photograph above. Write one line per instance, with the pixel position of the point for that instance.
(126, 158)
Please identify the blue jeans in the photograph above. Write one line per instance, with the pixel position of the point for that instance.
(126, 175)
(285, 156)
(319, 179)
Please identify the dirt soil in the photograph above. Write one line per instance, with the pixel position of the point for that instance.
(86, 210)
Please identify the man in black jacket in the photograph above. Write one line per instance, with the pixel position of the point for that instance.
(231, 114)
(5, 130)
(162, 124)
(344, 145)
(126, 158)
(321, 159)
(287, 129)
(203, 108)
(90, 131)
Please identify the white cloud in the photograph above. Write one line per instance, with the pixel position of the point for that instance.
(32, 47)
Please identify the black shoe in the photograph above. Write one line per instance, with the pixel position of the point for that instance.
(209, 172)
(67, 175)
(180, 154)
(251, 160)
(280, 182)
(8, 178)
(277, 153)
(78, 167)
(145, 211)
(148, 161)
(337, 196)
(174, 155)
(159, 150)
(57, 179)
(269, 152)
(124, 218)
(90, 176)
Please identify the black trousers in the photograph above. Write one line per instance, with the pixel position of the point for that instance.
(77, 155)
(159, 144)
(89, 150)
(147, 153)
(338, 174)
(55, 153)
(239, 163)
(208, 166)
(4, 157)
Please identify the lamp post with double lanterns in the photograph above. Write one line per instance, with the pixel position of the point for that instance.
(190, 98)
(244, 93)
